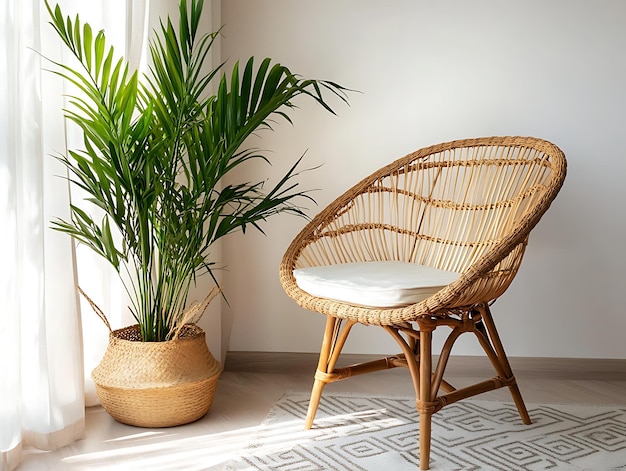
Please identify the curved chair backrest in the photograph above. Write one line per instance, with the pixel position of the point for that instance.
(463, 206)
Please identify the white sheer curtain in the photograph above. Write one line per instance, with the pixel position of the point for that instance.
(42, 377)
(125, 23)
(41, 391)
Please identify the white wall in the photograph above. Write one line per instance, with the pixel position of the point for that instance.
(430, 72)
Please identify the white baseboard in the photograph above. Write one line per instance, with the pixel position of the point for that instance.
(523, 367)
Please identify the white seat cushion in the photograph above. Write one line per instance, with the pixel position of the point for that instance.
(375, 284)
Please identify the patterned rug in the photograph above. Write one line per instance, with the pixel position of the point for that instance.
(353, 433)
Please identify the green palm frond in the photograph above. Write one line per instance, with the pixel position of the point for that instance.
(157, 148)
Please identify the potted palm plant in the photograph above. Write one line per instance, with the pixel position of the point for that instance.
(156, 150)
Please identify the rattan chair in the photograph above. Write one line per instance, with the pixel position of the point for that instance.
(461, 209)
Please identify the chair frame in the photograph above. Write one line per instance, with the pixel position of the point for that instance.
(463, 306)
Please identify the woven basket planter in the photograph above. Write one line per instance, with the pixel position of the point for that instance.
(157, 384)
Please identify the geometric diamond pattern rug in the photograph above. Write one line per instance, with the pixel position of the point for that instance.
(356, 433)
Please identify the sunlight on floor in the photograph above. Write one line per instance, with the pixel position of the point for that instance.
(181, 448)
(165, 450)
(187, 453)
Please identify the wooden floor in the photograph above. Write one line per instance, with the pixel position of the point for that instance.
(252, 384)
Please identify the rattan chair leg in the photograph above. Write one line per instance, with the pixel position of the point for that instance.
(519, 403)
(314, 402)
(421, 373)
(425, 404)
(334, 339)
(505, 365)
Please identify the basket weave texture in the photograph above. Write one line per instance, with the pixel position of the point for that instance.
(157, 384)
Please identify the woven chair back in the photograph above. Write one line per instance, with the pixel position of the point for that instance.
(444, 206)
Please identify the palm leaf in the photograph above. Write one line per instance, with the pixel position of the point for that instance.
(157, 148)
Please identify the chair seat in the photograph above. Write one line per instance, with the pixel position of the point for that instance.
(384, 284)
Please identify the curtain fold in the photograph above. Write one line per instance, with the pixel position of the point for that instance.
(41, 392)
